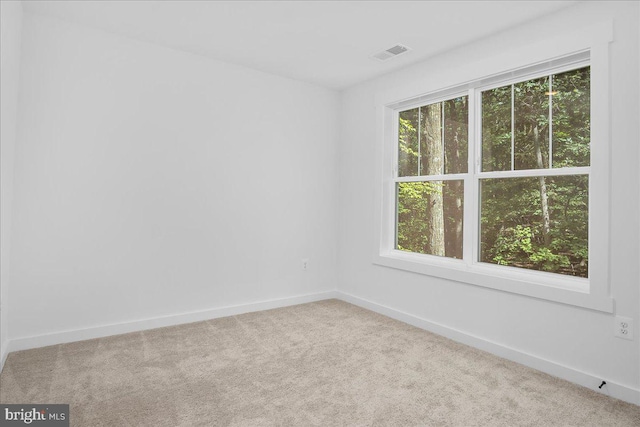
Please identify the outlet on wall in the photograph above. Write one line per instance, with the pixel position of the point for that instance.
(623, 328)
(305, 263)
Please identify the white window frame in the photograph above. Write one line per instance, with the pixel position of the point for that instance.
(574, 50)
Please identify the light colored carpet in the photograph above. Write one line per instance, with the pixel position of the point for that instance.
(325, 363)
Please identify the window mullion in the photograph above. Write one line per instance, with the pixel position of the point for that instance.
(513, 127)
(425, 178)
(419, 140)
(442, 150)
(471, 217)
(529, 173)
(551, 121)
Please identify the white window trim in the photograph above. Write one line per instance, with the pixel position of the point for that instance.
(592, 293)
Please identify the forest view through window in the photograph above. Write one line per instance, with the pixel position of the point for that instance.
(528, 166)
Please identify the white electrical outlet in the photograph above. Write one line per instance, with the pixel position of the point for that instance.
(305, 263)
(623, 328)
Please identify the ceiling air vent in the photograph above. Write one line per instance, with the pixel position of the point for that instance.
(392, 52)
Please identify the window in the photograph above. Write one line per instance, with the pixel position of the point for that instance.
(534, 180)
(501, 180)
(432, 145)
(532, 183)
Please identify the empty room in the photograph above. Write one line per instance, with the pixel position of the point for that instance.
(320, 213)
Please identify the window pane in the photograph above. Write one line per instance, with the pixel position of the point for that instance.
(433, 138)
(429, 217)
(531, 115)
(408, 142)
(539, 223)
(571, 118)
(456, 124)
(496, 129)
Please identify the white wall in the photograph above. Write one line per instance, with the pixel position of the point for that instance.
(573, 342)
(10, 33)
(151, 182)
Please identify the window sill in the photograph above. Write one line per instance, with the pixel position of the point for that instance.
(547, 286)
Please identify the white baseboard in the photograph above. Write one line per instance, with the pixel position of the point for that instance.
(157, 322)
(618, 391)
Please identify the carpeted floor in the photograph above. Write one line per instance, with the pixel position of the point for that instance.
(327, 363)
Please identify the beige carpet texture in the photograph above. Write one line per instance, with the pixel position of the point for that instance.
(327, 363)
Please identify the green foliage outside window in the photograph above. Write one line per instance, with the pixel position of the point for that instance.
(536, 222)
